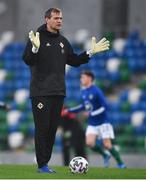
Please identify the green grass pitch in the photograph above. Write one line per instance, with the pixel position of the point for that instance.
(29, 172)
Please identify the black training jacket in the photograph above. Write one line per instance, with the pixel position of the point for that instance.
(48, 65)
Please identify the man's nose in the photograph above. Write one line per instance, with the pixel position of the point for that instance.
(60, 20)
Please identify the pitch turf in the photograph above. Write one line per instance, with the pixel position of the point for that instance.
(29, 172)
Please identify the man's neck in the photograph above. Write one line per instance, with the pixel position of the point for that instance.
(52, 30)
(88, 85)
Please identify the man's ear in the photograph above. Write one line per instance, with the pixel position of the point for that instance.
(46, 19)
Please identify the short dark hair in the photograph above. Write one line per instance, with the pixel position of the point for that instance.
(88, 73)
(49, 11)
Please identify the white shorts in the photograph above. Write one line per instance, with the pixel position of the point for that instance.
(104, 131)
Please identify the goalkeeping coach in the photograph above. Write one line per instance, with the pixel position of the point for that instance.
(47, 52)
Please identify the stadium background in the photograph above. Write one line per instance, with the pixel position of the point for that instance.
(120, 72)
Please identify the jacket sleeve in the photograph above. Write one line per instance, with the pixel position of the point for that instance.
(76, 60)
(77, 109)
(28, 56)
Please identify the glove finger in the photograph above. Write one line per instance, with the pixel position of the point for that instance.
(102, 40)
(93, 42)
(37, 35)
(106, 42)
(31, 34)
(104, 48)
(106, 45)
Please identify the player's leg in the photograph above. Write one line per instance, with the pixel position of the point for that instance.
(46, 121)
(107, 134)
(79, 145)
(91, 141)
(55, 115)
(106, 155)
(108, 145)
(91, 135)
(66, 147)
(41, 114)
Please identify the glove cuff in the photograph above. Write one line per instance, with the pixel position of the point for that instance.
(89, 53)
(34, 49)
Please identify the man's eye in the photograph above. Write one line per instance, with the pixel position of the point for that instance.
(58, 18)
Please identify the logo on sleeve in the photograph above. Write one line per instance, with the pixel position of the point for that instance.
(62, 47)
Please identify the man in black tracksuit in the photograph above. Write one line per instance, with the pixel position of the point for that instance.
(47, 52)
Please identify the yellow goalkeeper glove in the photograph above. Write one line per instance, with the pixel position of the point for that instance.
(35, 40)
(100, 46)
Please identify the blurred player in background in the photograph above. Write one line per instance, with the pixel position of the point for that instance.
(73, 137)
(99, 125)
(47, 53)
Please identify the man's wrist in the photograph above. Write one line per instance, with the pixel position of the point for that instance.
(34, 49)
(89, 53)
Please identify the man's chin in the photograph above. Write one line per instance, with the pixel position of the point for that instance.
(59, 28)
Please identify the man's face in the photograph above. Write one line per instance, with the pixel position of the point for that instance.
(54, 23)
(85, 80)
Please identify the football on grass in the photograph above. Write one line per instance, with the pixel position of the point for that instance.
(78, 165)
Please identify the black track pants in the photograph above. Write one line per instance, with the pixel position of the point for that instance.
(47, 114)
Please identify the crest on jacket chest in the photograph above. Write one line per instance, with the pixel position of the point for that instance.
(62, 47)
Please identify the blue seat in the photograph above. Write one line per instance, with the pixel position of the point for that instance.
(141, 131)
(12, 129)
